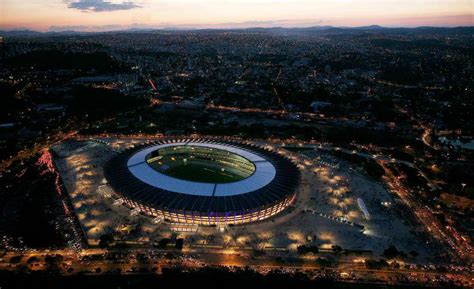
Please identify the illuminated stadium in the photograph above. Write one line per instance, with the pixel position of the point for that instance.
(204, 182)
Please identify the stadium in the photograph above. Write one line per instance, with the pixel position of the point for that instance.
(203, 181)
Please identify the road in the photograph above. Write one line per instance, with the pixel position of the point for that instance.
(347, 269)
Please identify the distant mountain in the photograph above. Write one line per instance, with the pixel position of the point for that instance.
(371, 27)
(20, 33)
(32, 33)
(279, 30)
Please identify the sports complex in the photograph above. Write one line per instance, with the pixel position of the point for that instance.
(202, 181)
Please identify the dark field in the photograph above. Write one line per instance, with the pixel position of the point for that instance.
(197, 172)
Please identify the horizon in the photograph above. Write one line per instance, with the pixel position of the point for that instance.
(191, 28)
(184, 29)
(104, 16)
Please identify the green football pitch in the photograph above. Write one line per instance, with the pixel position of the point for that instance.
(198, 173)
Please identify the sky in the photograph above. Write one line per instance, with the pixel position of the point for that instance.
(107, 15)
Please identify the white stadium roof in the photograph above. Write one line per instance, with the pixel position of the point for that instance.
(264, 173)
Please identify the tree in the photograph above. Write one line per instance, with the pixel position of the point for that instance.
(53, 261)
(374, 264)
(179, 244)
(302, 249)
(106, 240)
(15, 259)
(279, 260)
(414, 253)
(323, 262)
(336, 248)
(32, 259)
(163, 243)
(392, 252)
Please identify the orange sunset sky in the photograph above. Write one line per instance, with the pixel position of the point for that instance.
(101, 15)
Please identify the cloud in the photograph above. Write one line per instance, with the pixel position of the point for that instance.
(100, 5)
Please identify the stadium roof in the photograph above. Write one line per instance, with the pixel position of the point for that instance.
(274, 179)
(264, 173)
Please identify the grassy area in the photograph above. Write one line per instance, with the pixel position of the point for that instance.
(198, 173)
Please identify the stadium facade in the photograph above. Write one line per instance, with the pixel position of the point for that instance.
(203, 181)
